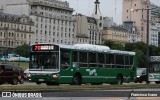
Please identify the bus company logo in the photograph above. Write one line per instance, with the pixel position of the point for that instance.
(6, 94)
(92, 72)
(21, 95)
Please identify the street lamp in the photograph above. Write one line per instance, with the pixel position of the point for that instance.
(147, 42)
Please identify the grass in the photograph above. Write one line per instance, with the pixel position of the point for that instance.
(74, 87)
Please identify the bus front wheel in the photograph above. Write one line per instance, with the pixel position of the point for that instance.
(119, 79)
(77, 79)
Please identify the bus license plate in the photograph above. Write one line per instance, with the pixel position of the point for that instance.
(41, 79)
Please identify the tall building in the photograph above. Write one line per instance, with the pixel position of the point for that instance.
(133, 35)
(115, 33)
(99, 21)
(53, 19)
(15, 30)
(139, 17)
(89, 29)
(155, 12)
(108, 22)
(154, 34)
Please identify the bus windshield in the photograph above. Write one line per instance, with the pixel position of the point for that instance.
(155, 68)
(44, 60)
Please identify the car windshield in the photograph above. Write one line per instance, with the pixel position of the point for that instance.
(44, 61)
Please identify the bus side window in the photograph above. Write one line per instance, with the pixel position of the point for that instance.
(75, 59)
(110, 61)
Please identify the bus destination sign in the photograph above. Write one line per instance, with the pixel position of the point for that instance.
(43, 47)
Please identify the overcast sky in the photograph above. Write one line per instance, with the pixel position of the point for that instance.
(107, 7)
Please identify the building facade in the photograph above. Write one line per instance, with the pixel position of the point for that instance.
(108, 22)
(53, 19)
(115, 33)
(133, 35)
(89, 29)
(15, 31)
(138, 17)
(154, 35)
(155, 12)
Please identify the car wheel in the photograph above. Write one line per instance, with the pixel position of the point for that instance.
(14, 81)
(21, 81)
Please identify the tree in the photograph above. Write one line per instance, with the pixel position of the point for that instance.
(158, 51)
(153, 50)
(130, 46)
(109, 43)
(141, 58)
(113, 45)
(23, 50)
(141, 46)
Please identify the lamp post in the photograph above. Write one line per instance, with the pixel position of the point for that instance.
(147, 42)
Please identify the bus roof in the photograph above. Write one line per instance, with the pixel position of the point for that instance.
(97, 48)
(90, 47)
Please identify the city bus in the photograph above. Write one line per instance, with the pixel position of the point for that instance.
(79, 64)
(154, 69)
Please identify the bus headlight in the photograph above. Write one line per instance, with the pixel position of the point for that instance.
(29, 75)
(55, 76)
(151, 76)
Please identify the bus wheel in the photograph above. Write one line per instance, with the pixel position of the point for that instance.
(119, 79)
(38, 83)
(157, 82)
(77, 79)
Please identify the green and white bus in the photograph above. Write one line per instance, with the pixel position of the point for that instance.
(79, 64)
(154, 69)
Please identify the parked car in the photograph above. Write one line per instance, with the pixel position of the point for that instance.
(141, 75)
(11, 74)
(21, 71)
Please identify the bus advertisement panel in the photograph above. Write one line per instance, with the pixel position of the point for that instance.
(80, 63)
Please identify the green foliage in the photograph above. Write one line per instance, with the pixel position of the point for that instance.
(158, 51)
(142, 59)
(23, 50)
(153, 50)
(130, 46)
(114, 45)
(139, 47)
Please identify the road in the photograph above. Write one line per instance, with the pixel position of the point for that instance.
(33, 83)
(125, 94)
(129, 94)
